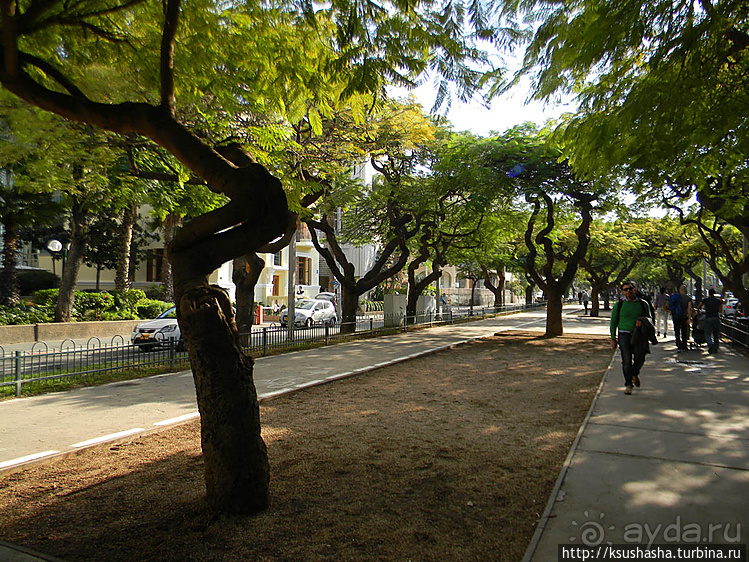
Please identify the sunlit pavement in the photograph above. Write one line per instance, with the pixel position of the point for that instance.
(667, 465)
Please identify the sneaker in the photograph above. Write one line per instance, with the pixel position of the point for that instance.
(636, 380)
(627, 390)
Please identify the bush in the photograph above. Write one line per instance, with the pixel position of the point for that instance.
(151, 308)
(118, 315)
(46, 298)
(16, 315)
(31, 281)
(128, 300)
(91, 306)
(155, 292)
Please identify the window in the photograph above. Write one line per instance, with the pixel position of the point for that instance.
(278, 258)
(276, 286)
(155, 265)
(304, 268)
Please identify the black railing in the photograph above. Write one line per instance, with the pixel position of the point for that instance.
(41, 364)
(736, 330)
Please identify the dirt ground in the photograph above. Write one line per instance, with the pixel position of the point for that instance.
(447, 457)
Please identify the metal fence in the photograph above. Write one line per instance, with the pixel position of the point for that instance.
(737, 330)
(41, 365)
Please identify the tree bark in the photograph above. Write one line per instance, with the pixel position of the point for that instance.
(122, 271)
(170, 224)
(246, 272)
(73, 260)
(498, 289)
(9, 276)
(237, 473)
(554, 309)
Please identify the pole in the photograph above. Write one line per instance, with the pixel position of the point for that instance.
(746, 259)
(290, 312)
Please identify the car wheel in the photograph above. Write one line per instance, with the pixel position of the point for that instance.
(181, 345)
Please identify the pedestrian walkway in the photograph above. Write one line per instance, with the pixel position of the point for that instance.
(669, 464)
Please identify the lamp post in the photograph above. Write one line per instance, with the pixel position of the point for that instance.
(54, 246)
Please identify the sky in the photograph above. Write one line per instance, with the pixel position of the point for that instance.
(506, 111)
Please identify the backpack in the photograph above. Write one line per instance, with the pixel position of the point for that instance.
(676, 305)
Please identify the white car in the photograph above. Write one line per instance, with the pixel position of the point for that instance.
(157, 332)
(307, 313)
(730, 307)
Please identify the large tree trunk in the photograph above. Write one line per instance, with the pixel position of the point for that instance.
(498, 289)
(349, 304)
(73, 261)
(416, 289)
(246, 272)
(170, 224)
(554, 308)
(122, 271)
(595, 300)
(237, 474)
(9, 275)
(529, 294)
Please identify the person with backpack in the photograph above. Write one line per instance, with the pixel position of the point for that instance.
(682, 311)
(627, 318)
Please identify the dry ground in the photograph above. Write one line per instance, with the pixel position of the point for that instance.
(448, 457)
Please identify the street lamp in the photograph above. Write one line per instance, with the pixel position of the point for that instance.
(54, 246)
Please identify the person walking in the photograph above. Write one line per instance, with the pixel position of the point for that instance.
(713, 307)
(586, 298)
(661, 312)
(626, 318)
(682, 311)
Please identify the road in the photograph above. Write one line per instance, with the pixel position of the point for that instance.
(58, 423)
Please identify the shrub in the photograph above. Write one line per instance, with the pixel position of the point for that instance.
(128, 300)
(118, 315)
(46, 298)
(31, 281)
(156, 292)
(16, 315)
(91, 306)
(151, 308)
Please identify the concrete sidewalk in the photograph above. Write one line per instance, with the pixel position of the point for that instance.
(669, 464)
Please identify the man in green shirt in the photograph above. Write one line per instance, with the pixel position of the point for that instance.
(624, 321)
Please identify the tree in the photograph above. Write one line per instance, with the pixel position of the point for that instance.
(554, 194)
(664, 94)
(388, 213)
(615, 249)
(476, 210)
(46, 53)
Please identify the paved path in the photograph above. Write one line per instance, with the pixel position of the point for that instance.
(669, 464)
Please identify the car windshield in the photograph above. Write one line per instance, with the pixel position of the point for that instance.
(304, 305)
(169, 313)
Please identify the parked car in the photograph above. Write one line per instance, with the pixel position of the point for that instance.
(731, 307)
(157, 332)
(309, 312)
